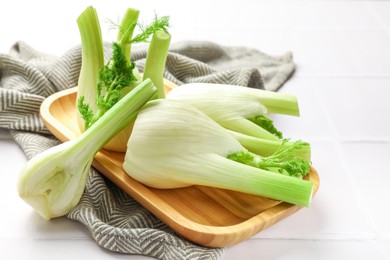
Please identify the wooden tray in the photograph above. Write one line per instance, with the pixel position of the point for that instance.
(206, 216)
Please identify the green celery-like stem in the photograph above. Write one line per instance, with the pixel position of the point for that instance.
(53, 181)
(248, 179)
(156, 59)
(247, 127)
(266, 147)
(125, 33)
(92, 55)
(260, 146)
(279, 103)
(213, 170)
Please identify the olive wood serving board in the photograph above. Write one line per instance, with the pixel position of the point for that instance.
(207, 216)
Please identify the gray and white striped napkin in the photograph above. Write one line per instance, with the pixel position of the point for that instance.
(115, 220)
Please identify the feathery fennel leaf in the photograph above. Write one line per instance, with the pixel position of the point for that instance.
(113, 78)
(267, 124)
(283, 161)
(117, 73)
(161, 23)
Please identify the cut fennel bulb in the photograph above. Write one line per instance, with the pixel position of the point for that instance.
(53, 181)
(174, 145)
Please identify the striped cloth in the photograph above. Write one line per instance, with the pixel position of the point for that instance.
(115, 220)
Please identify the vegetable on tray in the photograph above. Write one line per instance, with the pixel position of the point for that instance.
(244, 112)
(53, 181)
(175, 145)
(198, 134)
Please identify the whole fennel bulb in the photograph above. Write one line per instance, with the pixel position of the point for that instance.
(233, 106)
(245, 112)
(175, 145)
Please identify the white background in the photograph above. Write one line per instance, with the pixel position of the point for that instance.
(342, 81)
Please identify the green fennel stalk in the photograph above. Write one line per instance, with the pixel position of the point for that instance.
(119, 75)
(126, 30)
(285, 159)
(266, 147)
(92, 59)
(156, 58)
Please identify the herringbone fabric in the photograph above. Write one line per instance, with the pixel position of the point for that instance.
(116, 221)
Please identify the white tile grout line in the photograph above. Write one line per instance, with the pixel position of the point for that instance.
(330, 236)
(346, 140)
(317, 239)
(336, 140)
(335, 28)
(362, 204)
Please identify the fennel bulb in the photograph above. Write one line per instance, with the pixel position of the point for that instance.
(233, 106)
(244, 112)
(53, 181)
(174, 145)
